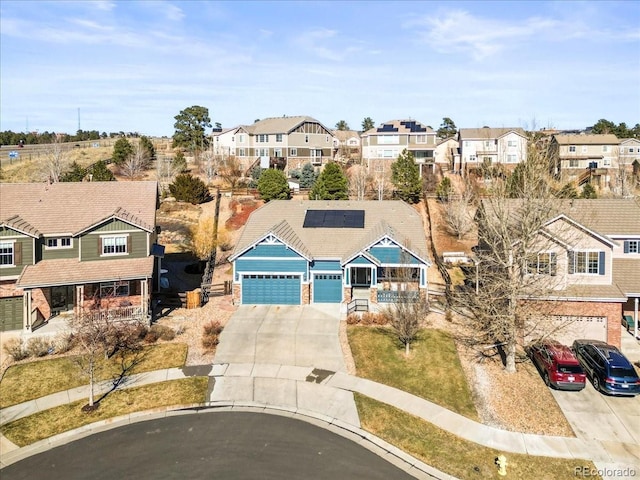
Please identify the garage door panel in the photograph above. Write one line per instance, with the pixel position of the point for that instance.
(11, 313)
(271, 289)
(581, 327)
(327, 288)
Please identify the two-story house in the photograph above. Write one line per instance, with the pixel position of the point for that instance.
(286, 143)
(585, 265)
(629, 155)
(382, 145)
(585, 157)
(485, 147)
(81, 247)
(346, 145)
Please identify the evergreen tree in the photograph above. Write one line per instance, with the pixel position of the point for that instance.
(147, 147)
(568, 190)
(588, 191)
(75, 174)
(273, 185)
(406, 177)
(342, 125)
(179, 163)
(187, 188)
(101, 173)
(308, 176)
(122, 151)
(255, 176)
(447, 128)
(367, 124)
(190, 128)
(332, 184)
(444, 190)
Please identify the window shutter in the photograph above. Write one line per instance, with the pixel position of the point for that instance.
(626, 246)
(100, 248)
(553, 264)
(601, 263)
(570, 262)
(129, 244)
(17, 253)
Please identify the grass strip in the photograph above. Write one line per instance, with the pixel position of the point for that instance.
(454, 455)
(432, 371)
(27, 381)
(53, 421)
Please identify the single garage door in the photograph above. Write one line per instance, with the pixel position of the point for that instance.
(577, 326)
(271, 289)
(10, 313)
(327, 288)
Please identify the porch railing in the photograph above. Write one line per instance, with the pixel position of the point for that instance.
(117, 314)
(358, 305)
(393, 296)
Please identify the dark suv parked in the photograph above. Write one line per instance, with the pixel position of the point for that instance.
(609, 370)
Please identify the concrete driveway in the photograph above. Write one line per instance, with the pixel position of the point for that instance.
(593, 415)
(299, 335)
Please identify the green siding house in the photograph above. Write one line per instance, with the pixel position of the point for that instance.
(299, 252)
(83, 248)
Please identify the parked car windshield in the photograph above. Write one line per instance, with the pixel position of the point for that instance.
(569, 369)
(622, 372)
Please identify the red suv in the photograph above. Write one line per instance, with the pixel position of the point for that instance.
(557, 364)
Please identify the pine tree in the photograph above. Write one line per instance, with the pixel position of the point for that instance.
(406, 178)
(75, 174)
(332, 184)
(100, 173)
(308, 176)
(273, 185)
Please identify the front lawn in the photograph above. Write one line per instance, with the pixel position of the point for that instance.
(432, 371)
(452, 454)
(48, 423)
(28, 381)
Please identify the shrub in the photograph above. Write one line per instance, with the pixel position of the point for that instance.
(187, 188)
(353, 319)
(63, 342)
(162, 332)
(16, 348)
(152, 336)
(39, 347)
(211, 334)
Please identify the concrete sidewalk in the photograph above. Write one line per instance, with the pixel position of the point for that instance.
(327, 395)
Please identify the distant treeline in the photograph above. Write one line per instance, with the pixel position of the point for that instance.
(34, 138)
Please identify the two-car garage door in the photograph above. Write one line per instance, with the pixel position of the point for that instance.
(11, 313)
(576, 326)
(271, 289)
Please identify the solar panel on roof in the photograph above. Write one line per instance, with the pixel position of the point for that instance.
(334, 219)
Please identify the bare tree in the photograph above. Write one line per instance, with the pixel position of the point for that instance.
(359, 182)
(208, 164)
(408, 312)
(55, 159)
(458, 212)
(202, 238)
(137, 163)
(230, 170)
(101, 337)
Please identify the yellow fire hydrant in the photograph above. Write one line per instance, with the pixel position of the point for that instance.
(501, 462)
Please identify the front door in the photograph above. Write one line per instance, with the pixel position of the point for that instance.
(360, 277)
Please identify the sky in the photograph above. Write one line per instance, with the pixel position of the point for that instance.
(132, 66)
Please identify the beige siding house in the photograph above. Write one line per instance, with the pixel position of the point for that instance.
(485, 147)
(585, 158)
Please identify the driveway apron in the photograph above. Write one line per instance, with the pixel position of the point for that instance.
(297, 335)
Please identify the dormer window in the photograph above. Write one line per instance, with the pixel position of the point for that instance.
(63, 242)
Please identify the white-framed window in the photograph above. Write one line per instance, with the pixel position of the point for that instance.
(544, 263)
(512, 143)
(352, 142)
(573, 163)
(421, 139)
(630, 149)
(487, 143)
(278, 137)
(293, 152)
(262, 138)
(114, 245)
(572, 148)
(388, 154)
(472, 158)
(233, 139)
(7, 254)
(512, 158)
(64, 242)
(263, 152)
(585, 149)
(240, 138)
(306, 139)
(606, 162)
(277, 152)
(241, 152)
(114, 289)
(605, 148)
(585, 262)
(389, 139)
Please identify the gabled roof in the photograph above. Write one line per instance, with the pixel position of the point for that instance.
(19, 224)
(285, 234)
(590, 139)
(488, 133)
(67, 208)
(400, 127)
(393, 218)
(344, 135)
(284, 125)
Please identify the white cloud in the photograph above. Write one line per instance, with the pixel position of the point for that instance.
(104, 5)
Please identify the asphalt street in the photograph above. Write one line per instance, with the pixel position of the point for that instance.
(221, 445)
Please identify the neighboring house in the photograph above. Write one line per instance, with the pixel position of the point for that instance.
(445, 153)
(300, 252)
(589, 261)
(223, 142)
(81, 247)
(286, 143)
(585, 158)
(629, 155)
(485, 147)
(346, 145)
(382, 145)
